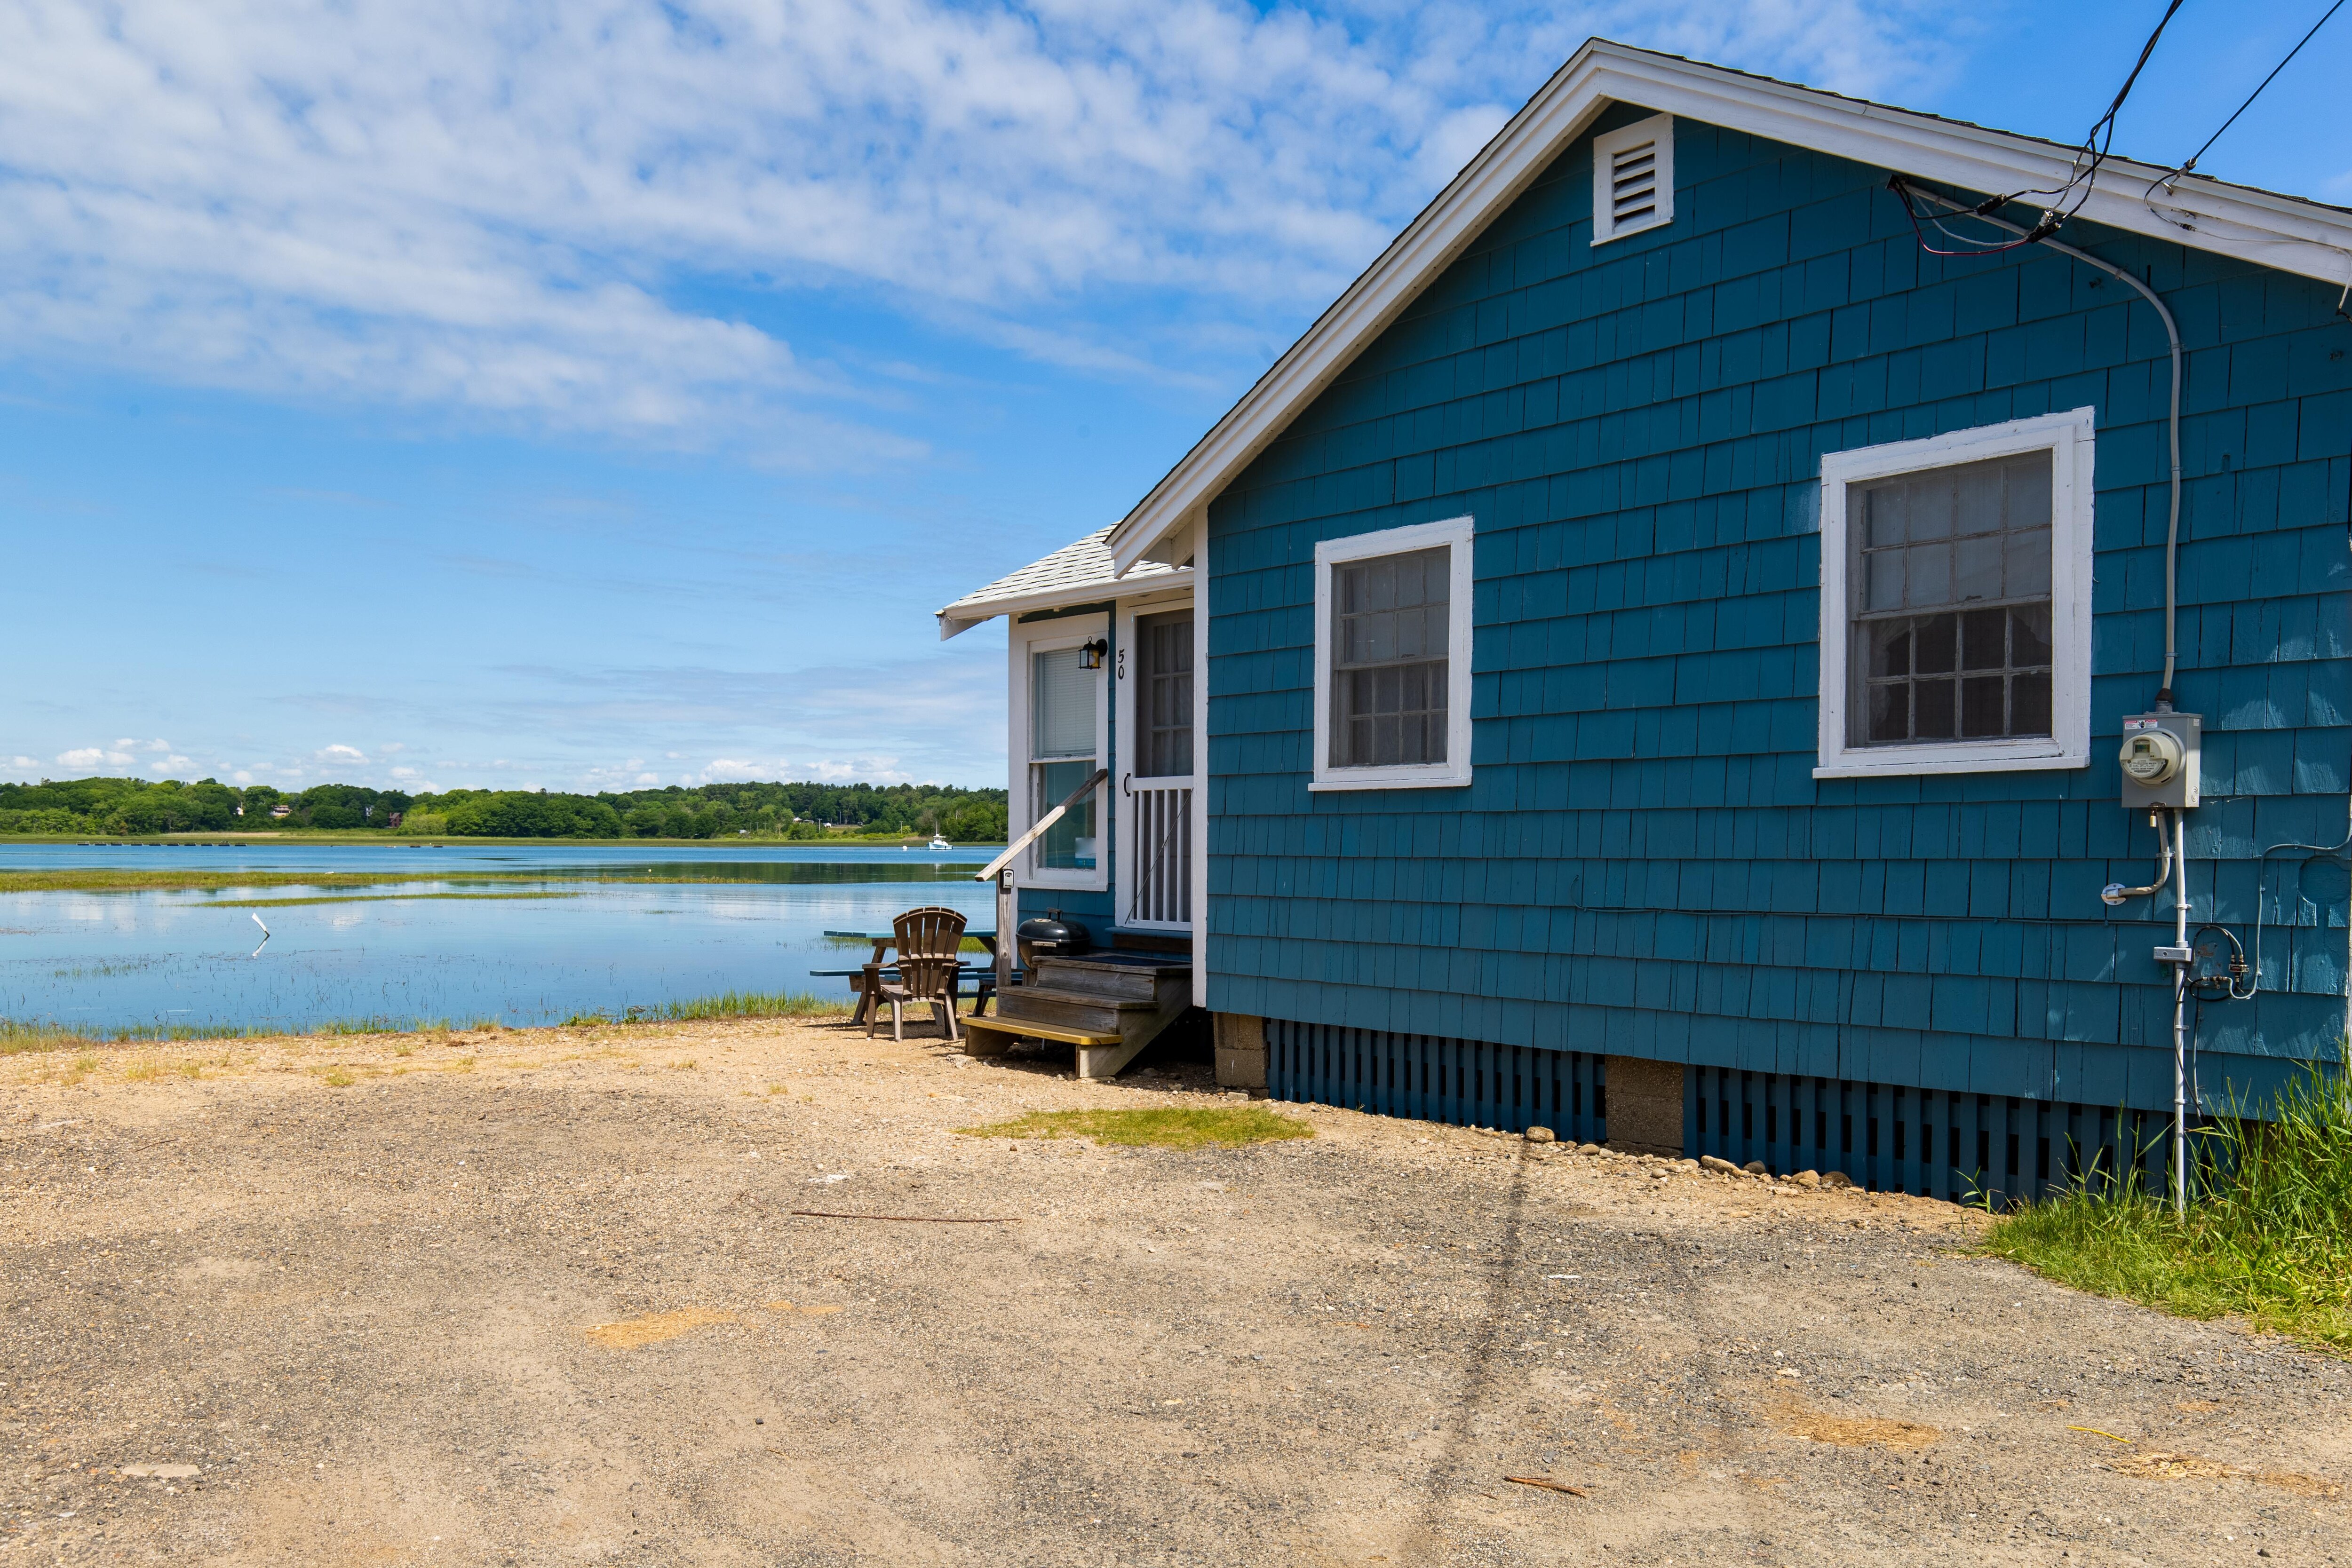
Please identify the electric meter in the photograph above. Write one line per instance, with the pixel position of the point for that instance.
(2150, 757)
(2158, 759)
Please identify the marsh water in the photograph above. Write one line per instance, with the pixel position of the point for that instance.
(523, 934)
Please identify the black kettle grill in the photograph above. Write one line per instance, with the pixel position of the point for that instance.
(1051, 936)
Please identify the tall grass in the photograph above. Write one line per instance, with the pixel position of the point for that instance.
(725, 1005)
(756, 1005)
(16, 1036)
(2268, 1234)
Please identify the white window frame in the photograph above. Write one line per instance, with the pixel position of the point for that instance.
(2070, 439)
(1454, 771)
(1044, 637)
(1605, 147)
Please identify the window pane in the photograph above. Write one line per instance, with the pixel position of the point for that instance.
(1885, 582)
(1890, 712)
(1976, 499)
(2029, 704)
(1062, 704)
(1930, 568)
(2027, 567)
(1882, 516)
(1389, 642)
(1068, 844)
(1981, 643)
(1930, 507)
(1981, 705)
(1890, 647)
(2027, 495)
(1977, 569)
(1163, 698)
(1935, 700)
(2029, 635)
(1936, 634)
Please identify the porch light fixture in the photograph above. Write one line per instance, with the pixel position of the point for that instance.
(1093, 653)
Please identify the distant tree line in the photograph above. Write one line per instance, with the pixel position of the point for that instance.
(138, 807)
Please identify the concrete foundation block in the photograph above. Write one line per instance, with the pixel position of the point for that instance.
(1646, 1106)
(1240, 1051)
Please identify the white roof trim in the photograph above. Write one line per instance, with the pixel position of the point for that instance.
(2238, 221)
(966, 613)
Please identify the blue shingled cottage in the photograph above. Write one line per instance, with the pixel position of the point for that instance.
(1674, 656)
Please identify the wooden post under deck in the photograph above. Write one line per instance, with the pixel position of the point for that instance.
(1006, 910)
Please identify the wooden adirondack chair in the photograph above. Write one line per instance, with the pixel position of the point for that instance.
(930, 941)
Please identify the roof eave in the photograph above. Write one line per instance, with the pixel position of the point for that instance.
(2282, 232)
(963, 615)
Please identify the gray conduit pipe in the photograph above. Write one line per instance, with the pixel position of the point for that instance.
(2179, 860)
(2172, 332)
(2114, 892)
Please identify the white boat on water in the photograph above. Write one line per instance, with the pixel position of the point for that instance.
(939, 843)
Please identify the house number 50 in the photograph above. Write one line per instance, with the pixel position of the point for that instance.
(1120, 669)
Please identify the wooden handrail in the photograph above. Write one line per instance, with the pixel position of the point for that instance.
(1038, 827)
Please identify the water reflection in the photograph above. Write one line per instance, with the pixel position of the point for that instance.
(609, 930)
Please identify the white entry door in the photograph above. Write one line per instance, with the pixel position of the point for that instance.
(1155, 789)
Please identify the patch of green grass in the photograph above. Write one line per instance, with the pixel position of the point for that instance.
(725, 1005)
(16, 1036)
(2268, 1236)
(1217, 1126)
(750, 1005)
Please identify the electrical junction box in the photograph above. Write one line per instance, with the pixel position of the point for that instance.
(2159, 760)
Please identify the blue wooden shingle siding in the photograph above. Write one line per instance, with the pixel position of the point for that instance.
(1644, 865)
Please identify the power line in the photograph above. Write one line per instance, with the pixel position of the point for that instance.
(2241, 109)
(2080, 180)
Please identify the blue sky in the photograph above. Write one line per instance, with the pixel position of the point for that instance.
(434, 394)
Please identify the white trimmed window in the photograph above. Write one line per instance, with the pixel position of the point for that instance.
(1633, 178)
(1060, 713)
(1955, 602)
(1392, 658)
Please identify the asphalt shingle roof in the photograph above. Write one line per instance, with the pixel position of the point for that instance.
(1068, 571)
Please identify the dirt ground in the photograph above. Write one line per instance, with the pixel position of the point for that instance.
(542, 1297)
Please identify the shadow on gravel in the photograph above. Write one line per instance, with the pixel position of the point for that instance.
(1421, 1542)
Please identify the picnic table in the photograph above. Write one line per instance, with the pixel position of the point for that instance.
(873, 968)
(884, 940)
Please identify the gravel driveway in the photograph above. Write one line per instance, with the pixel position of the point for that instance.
(542, 1297)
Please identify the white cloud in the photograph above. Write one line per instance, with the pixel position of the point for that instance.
(332, 755)
(506, 210)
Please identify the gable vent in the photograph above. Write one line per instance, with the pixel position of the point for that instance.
(1633, 178)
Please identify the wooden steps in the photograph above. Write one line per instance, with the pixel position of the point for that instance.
(1108, 1005)
(1029, 1031)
